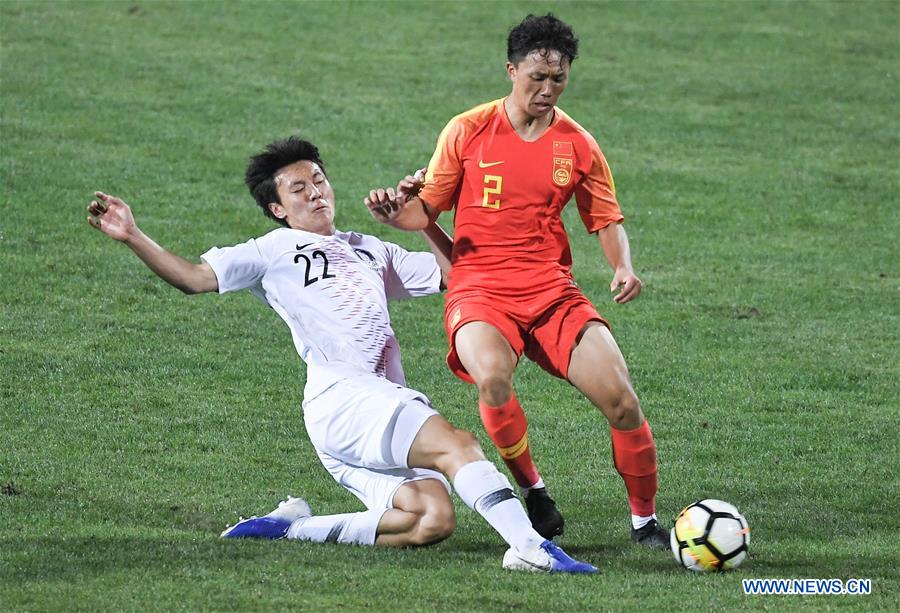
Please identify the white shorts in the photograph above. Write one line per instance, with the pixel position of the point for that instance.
(362, 429)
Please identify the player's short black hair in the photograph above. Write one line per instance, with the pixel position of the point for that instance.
(260, 175)
(544, 33)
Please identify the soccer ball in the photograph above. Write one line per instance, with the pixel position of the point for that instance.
(710, 535)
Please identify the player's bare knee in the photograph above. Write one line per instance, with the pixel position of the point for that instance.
(436, 524)
(624, 410)
(495, 390)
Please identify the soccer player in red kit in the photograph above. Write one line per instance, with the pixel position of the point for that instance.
(509, 167)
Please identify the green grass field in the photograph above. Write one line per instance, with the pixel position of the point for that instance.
(755, 147)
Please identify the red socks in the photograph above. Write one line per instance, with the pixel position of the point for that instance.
(634, 455)
(508, 428)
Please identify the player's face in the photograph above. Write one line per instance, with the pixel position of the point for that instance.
(538, 81)
(307, 200)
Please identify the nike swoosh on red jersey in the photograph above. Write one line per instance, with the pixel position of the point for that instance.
(483, 164)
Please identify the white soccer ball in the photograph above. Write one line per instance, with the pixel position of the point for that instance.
(710, 535)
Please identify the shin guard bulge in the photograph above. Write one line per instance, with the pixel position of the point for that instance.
(634, 455)
(508, 429)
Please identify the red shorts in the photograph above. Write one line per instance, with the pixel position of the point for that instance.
(544, 327)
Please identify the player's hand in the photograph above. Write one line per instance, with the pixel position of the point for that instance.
(630, 284)
(384, 204)
(111, 216)
(410, 185)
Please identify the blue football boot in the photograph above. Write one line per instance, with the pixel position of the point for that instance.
(547, 557)
(272, 526)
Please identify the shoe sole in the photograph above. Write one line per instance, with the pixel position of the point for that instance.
(655, 546)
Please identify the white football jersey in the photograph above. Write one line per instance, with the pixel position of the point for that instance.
(332, 291)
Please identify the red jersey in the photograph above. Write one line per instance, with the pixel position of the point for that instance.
(509, 194)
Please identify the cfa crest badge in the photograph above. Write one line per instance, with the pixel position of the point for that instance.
(562, 171)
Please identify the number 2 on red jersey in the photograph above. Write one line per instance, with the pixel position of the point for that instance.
(493, 185)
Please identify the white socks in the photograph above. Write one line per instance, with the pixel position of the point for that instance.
(539, 485)
(346, 528)
(638, 522)
(480, 485)
(483, 488)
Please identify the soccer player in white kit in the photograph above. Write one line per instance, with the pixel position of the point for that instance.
(378, 438)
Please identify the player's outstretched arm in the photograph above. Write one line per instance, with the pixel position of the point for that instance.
(440, 243)
(111, 216)
(614, 242)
